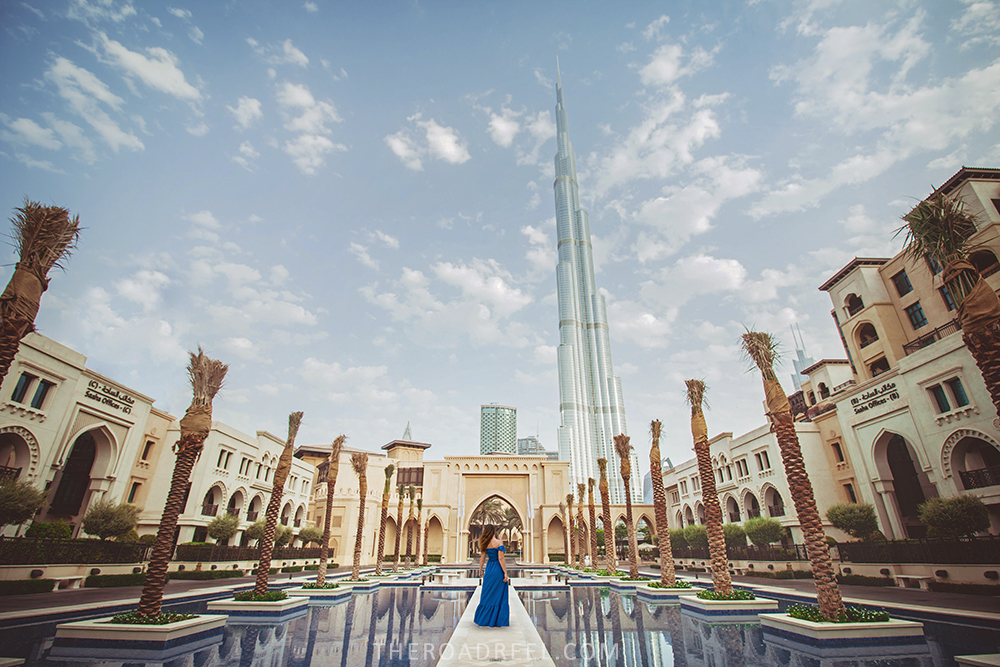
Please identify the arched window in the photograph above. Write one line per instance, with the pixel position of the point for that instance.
(879, 366)
(985, 262)
(824, 391)
(854, 304)
(867, 334)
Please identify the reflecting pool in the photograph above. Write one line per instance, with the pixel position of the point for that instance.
(597, 626)
(389, 627)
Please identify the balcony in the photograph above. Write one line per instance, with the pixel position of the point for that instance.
(209, 510)
(233, 511)
(932, 337)
(979, 479)
(753, 513)
(855, 308)
(776, 510)
(252, 516)
(865, 342)
(9, 474)
(298, 523)
(734, 517)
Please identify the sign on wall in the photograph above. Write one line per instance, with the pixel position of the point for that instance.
(109, 396)
(874, 398)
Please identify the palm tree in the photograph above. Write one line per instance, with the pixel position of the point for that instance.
(762, 350)
(359, 462)
(592, 515)
(412, 492)
(710, 498)
(43, 236)
(332, 468)
(940, 227)
(274, 504)
(389, 470)
(584, 542)
(562, 514)
(623, 449)
(418, 526)
(206, 376)
(427, 534)
(667, 575)
(572, 529)
(399, 527)
(610, 563)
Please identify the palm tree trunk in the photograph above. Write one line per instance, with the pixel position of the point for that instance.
(399, 530)
(593, 522)
(427, 533)
(274, 504)
(566, 550)
(409, 532)
(984, 345)
(572, 530)
(668, 576)
(359, 461)
(419, 532)
(623, 449)
(332, 470)
(610, 562)
(584, 541)
(389, 470)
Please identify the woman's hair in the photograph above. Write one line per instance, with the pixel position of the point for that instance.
(486, 537)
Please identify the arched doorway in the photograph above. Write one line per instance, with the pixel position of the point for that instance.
(910, 485)
(732, 510)
(977, 463)
(390, 539)
(688, 516)
(497, 512)
(556, 532)
(435, 538)
(775, 503)
(75, 479)
(16, 452)
(752, 505)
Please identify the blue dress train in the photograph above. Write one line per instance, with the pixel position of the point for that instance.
(493, 609)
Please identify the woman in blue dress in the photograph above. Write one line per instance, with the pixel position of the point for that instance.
(493, 609)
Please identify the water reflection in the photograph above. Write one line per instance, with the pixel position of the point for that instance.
(387, 628)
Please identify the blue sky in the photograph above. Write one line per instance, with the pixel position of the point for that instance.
(351, 203)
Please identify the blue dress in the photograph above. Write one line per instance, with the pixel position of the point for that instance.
(493, 609)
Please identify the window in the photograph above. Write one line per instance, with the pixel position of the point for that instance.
(147, 450)
(902, 283)
(854, 305)
(933, 265)
(824, 391)
(222, 457)
(695, 484)
(43, 390)
(763, 463)
(812, 398)
(838, 452)
(916, 315)
(879, 366)
(267, 474)
(258, 471)
(946, 296)
(684, 488)
(21, 390)
(674, 498)
(742, 470)
(849, 488)
(985, 262)
(729, 473)
(134, 490)
(958, 391)
(940, 398)
(867, 334)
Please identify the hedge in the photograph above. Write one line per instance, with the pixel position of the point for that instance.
(557, 558)
(862, 580)
(780, 574)
(201, 575)
(329, 566)
(968, 589)
(292, 568)
(26, 586)
(114, 580)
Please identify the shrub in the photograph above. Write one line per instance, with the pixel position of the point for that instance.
(850, 614)
(862, 580)
(677, 540)
(735, 535)
(763, 530)
(114, 580)
(255, 531)
(677, 584)
(955, 516)
(312, 534)
(19, 501)
(204, 575)
(330, 566)
(696, 536)
(273, 570)
(968, 589)
(433, 558)
(53, 530)
(324, 586)
(224, 526)
(135, 618)
(149, 538)
(109, 519)
(856, 519)
(737, 594)
(553, 558)
(130, 537)
(267, 596)
(282, 536)
(291, 568)
(26, 586)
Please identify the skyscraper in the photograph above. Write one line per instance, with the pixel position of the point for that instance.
(590, 395)
(497, 429)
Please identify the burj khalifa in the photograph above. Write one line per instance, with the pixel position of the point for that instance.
(591, 406)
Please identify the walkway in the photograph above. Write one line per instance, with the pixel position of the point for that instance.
(518, 644)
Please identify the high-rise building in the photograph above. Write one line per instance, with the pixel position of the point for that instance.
(497, 429)
(591, 406)
(531, 446)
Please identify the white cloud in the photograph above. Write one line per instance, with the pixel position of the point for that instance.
(978, 23)
(32, 163)
(199, 130)
(196, 34)
(27, 131)
(406, 149)
(668, 63)
(361, 252)
(179, 13)
(246, 112)
(386, 239)
(100, 10)
(439, 142)
(279, 275)
(136, 340)
(639, 324)
(244, 348)
(247, 154)
(72, 135)
(541, 127)
(144, 287)
(311, 7)
(654, 28)
(541, 253)
(504, 127)
(308, 117)
(159, 71)
(370, 383)
(205, 219)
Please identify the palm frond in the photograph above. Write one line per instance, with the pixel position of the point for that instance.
(602, 465)
(562, 507)
(336, 447)
(389, 470)
(761, 349)
(654, 429)
(206, 376)
(695, 395)
(591, 482)
(581, 489)
(622, 446)
(44, 235)
(569, 500)
(294, 421)
(359, 462)
(939, 226)
(411, 491)
(420, 504)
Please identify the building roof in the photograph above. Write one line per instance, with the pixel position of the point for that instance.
(966, 173)
(853, 264)
(406, 443)
(825, 362)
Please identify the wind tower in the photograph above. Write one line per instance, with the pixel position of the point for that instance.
(591, 405)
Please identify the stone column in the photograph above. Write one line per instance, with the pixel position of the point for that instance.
(545, 543)
(886, 502)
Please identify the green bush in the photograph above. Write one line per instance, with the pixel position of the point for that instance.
(329, 566)
(267, 596)
(205, 575)
(677, 584)
(149, 538)
(324, 586)
(696, 536)
(955, 516)
(131, 537)
(19, 501)
(222, 527)
(26, 586)
(737, 594)
(282, 536)
(735, 535)
(114, 580)
(311, 534)
(106, 518)
(763, 530)
(856, 519)
(291, 568)
(862, 580)
(850, 614)
(968, 589)
(53, 530)
(677, 540)
(553, 558)
(273, 570)
(433, 558)
(135, 618)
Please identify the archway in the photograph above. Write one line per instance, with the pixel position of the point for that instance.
(556, 532)
(75, 479)
(16, 452)
(688, 516)
(752, 505)
(775, 503)
(210, 504)
(977, 463)
(235, 505)
(300, 514)
(895, 461)
(732, 510)
(621, 539)
(286, 514)
(390, 538)
(435, 538)
(497, 512)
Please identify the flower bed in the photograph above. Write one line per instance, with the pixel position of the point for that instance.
(313, 585)
(267, 596)
(135, 618)
(677, 584)
(849, 614)
(737, 594)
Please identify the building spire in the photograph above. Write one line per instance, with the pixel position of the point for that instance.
(559, 97)
(406, 433)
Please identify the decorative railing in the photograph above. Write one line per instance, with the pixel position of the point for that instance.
(298, 523)
(753, 513)
(776, 510)
(734, 517)
(209, 510)
(978, 479)
(210, 553)
(39, 551)
(233, 511)
(865, 342)
(932, 337)
(818, 410)
(854, 310)
(9, 474)
(843, 385)
(978, 550)
(771, 553)
(252, 516)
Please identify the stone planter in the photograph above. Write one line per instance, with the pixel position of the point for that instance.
(727, 611)
(273, 611)
(101, 640)
(647, 592)
(325, 594)
(893, 631)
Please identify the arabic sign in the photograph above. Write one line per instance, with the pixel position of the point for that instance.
(107, 395)
(875, 397)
